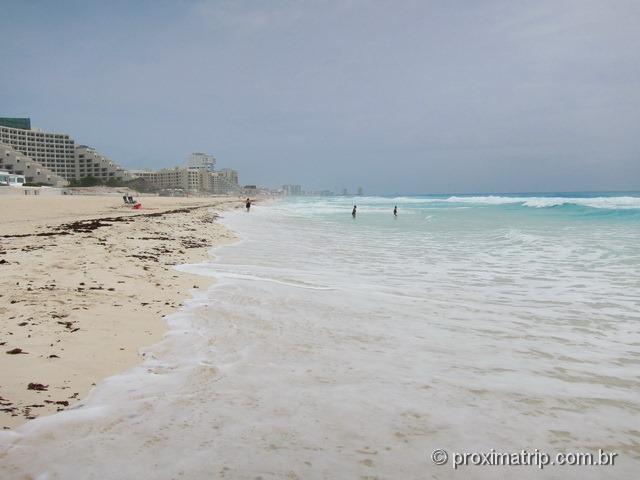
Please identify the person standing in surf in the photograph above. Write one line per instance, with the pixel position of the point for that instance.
(395, 211)
(248, 204)
(353, 212)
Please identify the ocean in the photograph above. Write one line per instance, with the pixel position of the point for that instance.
(338, 347)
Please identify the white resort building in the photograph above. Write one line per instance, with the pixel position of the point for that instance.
(17, 163)
(202, 161)
(198, 176)
(90, 163)
(55, 153)
(191, 180)
(55, 159)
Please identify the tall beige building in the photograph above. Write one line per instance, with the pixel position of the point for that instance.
(57, 152)
(192, 180)
(90, 163)
(224, 182)
(177, 178)
(198, 176)
(54, 151)
(202, 161)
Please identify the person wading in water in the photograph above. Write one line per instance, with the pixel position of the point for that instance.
(395, 211)
(248, 204)
(353, 212)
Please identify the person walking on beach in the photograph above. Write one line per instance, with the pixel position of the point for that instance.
(353, 212)
(395, 211)
(248, 204)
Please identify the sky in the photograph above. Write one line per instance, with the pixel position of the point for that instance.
(396, 96)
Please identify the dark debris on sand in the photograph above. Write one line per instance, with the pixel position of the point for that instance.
(16, 351)
(88, 226)
(38, 386)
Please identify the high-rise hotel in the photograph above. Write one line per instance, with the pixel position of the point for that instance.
(56, 153)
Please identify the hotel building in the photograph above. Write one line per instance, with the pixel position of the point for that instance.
(90, 163)
(177, 178)
(224, 182)
(202, 161)
(57, 152)
(17, 163)
(191, 180)
(292, 190)
(54, 151)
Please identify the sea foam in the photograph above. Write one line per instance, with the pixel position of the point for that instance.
(482, 328)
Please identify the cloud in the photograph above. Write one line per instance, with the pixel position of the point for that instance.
(247, 16)
(435, 94)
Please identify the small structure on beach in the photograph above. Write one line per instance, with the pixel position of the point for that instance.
(11, 179)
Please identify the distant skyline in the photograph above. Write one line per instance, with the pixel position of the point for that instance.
(407, 97)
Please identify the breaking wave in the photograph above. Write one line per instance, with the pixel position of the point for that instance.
(614, 203)
(627, 202)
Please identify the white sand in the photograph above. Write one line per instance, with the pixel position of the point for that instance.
(82, 304)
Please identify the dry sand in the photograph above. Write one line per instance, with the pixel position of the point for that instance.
(80, 296)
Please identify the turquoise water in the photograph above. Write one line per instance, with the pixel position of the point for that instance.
(333, 347)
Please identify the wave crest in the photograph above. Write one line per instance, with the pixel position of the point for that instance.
(615, 203)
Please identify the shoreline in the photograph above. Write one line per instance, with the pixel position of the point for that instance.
(86, 283)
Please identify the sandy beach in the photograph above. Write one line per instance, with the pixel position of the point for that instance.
(85, 282)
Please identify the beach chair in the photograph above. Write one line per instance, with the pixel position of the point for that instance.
(126, 199)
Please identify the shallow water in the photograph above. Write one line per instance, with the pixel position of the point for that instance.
(340, 348)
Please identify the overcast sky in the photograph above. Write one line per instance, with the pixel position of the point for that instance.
(396, 96)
